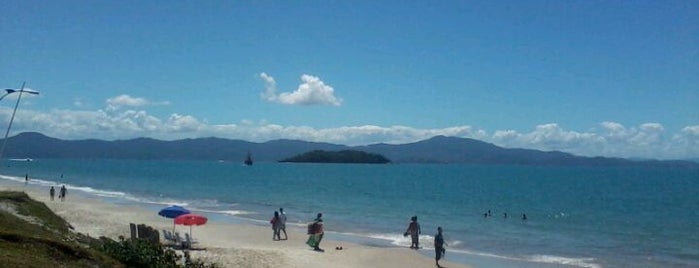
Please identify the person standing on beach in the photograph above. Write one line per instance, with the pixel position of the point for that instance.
(414, 232)
(52, 192)
(439, 244)
(276, 222)
(62, 193)
(282, 226)
(315, 231)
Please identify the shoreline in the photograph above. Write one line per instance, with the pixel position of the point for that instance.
(229, 244)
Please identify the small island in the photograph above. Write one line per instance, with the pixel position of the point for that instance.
(346, 156)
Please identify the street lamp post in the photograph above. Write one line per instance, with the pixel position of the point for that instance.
(8, 92)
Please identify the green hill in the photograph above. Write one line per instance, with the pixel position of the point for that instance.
(346, 156)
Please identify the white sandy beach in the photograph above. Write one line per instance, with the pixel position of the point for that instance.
(231, 245)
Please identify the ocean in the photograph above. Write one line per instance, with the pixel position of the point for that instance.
(576, 216)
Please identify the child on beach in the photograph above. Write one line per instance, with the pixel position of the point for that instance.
(414, 232)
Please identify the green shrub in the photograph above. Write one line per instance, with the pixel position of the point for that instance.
(141, 253)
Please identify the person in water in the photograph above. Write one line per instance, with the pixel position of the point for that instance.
(439, 244)
(414, 232)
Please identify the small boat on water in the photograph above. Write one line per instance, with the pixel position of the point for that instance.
(22, 159)
(248, 160)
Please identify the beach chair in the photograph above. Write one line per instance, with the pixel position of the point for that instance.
(178, 240)
(173, 238)
(189, 241)
(168, 237)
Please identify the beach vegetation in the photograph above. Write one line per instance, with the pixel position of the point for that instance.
(31, 235)
(142, 253)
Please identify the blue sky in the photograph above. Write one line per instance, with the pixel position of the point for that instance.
(611, 78)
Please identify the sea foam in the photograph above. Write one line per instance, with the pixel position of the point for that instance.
(579, 262)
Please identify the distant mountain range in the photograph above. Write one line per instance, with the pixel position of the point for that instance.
(438, 149)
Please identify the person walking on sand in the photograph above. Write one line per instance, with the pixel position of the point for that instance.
(414, 232)
(276, 222)
(62, 193)
(282, 225)
(52, 192)
(315, 231)
(439, 244)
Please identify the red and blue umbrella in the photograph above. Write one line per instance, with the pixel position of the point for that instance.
(172, 212)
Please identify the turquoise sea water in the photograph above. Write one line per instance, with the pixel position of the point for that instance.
(577, 216)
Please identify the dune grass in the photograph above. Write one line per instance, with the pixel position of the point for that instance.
(31, 235)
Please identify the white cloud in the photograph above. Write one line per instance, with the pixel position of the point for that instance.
(648, 140)
(78, 102)
(311, 92)
(549, 137)
(125, 100)
(183, 123)
(686, 143)
(270, 93)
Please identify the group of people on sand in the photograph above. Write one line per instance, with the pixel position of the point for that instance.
(278, 222)
(315, 229)
(315, 233)
(61, 194)
(414, 232)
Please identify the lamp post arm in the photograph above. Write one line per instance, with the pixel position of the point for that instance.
(7, 92)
